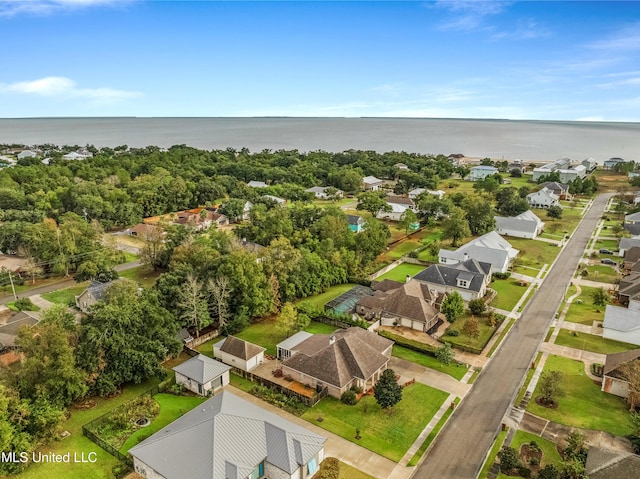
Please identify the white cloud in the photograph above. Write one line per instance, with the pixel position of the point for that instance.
(65, 88)
(9, 8)
(591, 118)
(469, 15)
(526, 29)
(615, 84)
(625, 39)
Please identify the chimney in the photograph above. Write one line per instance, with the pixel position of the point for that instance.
(466, 257)
(407, 278)
(332, 339)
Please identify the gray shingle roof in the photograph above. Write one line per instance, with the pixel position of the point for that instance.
(227, 437)
(202, 368)
(355, 353)
(471, 270)
(620, 319)
(627, 243)
(355, 219)
(239, 348)
(602, 464)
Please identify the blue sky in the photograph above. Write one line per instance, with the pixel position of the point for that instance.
(447, 59)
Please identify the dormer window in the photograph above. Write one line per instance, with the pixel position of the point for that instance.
(463, 283)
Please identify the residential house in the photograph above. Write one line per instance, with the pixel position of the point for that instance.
(239, 353)
(90, 296)
(469, 278)
(631, 175)
(10, 327)
(603, 464)
(202, 374)
(285, 349)
(613, 379)
(632, 228)
(481, 172)
(346, 302)
(626, 244)
(489, 248)
(411, 304)
(629, 287)
(561, 164)
(257, 184)
(611, 163)
(184, 336)
(142, 230)
(348, 358)
(228, 437)
(570, 174)
(246, 210)
(525, 225)
(77, 156)
(276, 200)
(517, 165)
(590, 164)
(632, 218)
(559, 189)
(623, 324)
(543, 198)
(371, 183)
(320, 192)
(398, 206)
(402, 167)
(413, 194)
(27, 154)
(356, 223)
(631, 257)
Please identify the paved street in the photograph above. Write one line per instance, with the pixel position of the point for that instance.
(460, 449)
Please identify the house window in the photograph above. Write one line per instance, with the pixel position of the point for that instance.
(257, 472)
(312, 466)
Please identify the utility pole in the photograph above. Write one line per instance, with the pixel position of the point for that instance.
(13, 288)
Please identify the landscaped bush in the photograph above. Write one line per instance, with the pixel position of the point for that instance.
(289, 404)
(500, 275)
(597, 369)
(329, 469)
(410, 343)
(349, 397)
(356, 389)
(451, 332)
(25, 304)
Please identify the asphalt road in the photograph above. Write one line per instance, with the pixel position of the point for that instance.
(460, 449)
(63, 283)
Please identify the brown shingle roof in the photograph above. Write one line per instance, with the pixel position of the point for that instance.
(240, 349)
(400, 200)
(385, 285)
(355, 353)
(614, 361)
(632, 254)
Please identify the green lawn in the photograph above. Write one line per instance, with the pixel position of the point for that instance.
(129, 257)
(491, 458)
(319, 300)
(265, 334)
(402, 248)
(509, 293)
(400, 272)
(582, 310)
(550, 454)
(76, 442)
(350, 472)
(533, 254)
(602, 273)
(497, 342)
(554, 228)
(171, 408)
(591, 342)
(527, 380)
(479, 343)
(143, 275)
(66, 296)
(583, 405)
(611, 245)
(389, 435)
(454, 370)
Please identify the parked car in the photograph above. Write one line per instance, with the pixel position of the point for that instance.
(609, 261)
(606, 251)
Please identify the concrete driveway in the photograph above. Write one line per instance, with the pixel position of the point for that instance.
(408, 371)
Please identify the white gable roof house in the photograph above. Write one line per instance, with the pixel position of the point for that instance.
(413, 194)
(257, 184)
(622, 324)
(525, 225)
(489, 248)
(202, 375)
(228, 437)
(371, 183)
(482, 171)
(543, 198)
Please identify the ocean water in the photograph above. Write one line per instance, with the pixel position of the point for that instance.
(498, 139)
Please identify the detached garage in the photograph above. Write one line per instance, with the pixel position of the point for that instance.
(202, 375)
(239, 353)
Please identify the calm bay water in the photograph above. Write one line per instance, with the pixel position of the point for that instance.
(527, 140)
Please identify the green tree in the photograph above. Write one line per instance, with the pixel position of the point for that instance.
(444, 354)
(455, 227)
(373, 202)
(406, 220)
(480, 215)
(387, 391)
(286, 320)
(550, 386)
(220, 293)
(509, 459)
(372, 240)
(453, 306)
(549, 472)
(631, 372)
(233, 208)
(555, 212)
(471, 328)
(600, 297)
(477, 306)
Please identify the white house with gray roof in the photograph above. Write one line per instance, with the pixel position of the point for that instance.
(469, 278)
(622, 324)
(481, 172)
(371, 183)
(202, 375)
(543, 198)
(489, 248)
(320, 192)
(228, 437)
(525, 225)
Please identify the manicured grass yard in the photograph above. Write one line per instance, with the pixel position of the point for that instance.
(486, 332)
(388, 435)
(142, 275)
(66, 296)
(76, 442)
(319, 300)
(509, 293)
(602, 274)
(585, 312)
(171, 408)
(611, 245)
(583, 405)
(554, 228)
(550, 454)
(591, 342)
(402, 248)
(533, 254)
(266, 334)
(454, 370)
(400, 272)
